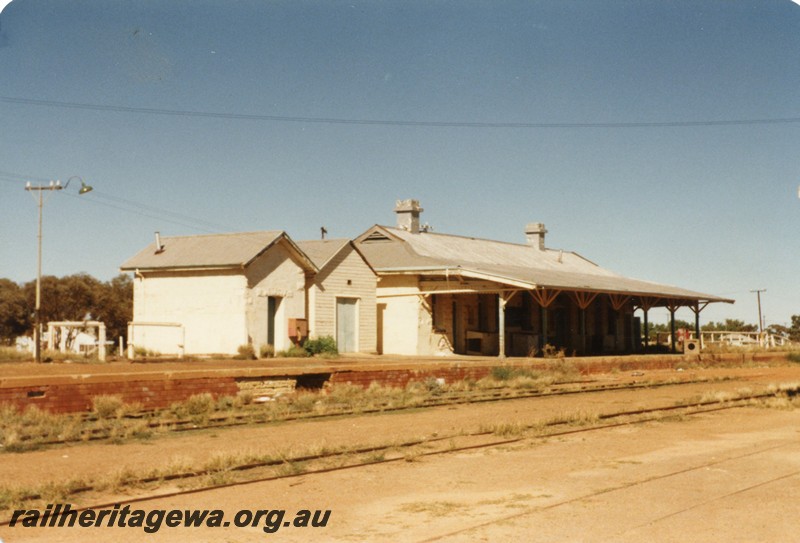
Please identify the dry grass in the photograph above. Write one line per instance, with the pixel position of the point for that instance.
(113, 419)
(230, 467)
(504, 429)
(12, 355)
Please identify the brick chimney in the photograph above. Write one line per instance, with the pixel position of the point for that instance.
(534, 233)
(408, 215)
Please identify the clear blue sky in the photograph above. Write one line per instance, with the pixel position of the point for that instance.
(615, 123)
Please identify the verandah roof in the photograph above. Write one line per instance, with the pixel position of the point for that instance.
(510, 265)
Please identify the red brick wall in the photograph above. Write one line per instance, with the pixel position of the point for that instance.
(76, 397)
(70, 397)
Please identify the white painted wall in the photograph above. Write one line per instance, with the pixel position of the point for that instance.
(210, 305)
(274, 274)
(404, 319)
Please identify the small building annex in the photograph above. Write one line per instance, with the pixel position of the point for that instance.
(443, 294)
(211, 294)
(341, 295)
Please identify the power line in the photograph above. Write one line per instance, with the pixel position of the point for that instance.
(130, 206)
(386, 122)
(150, 215)
(17, 177)
(161, 212)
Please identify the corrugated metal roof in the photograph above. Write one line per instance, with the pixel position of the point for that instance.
(428, 252)
(206, 251)
(320, 251)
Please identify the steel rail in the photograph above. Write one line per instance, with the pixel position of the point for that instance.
(703, 408)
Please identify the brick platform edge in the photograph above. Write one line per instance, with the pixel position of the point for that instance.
(585, 366)
(154, 392)
(151, 394)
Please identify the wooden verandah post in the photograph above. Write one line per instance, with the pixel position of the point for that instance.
(502, 299)
(618, 301)
(583, 300)
(545, 298)
(696, 309)
(646, 303)
(672, 307)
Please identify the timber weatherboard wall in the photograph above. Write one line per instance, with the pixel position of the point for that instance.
(345, 275)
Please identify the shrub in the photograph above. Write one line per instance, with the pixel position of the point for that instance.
(793, 357)
(321, 345)
(107, 406)
(197, 407)
(267, 351)
(503, 373)
(246, 352)
(551, 351)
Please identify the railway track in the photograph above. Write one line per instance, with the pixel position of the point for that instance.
(154, 419)
(356, 457)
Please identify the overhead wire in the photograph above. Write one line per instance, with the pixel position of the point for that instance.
(153, 209)
(129, 206)
(17, 177)
(389, 122)
(154, 213)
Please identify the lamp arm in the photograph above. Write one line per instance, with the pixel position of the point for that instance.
(84, 187)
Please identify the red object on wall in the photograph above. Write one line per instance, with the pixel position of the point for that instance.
(298, 328)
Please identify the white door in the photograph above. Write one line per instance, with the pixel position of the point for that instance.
(346, 324)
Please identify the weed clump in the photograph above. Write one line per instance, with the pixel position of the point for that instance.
(245, 352)
(108, 406)
(267, 351)
(197, 407)
(324, 345)
(292, 352)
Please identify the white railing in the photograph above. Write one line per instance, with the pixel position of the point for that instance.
(730, 338)
(744, 339)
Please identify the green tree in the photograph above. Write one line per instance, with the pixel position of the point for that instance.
(69, 298)
(664, 327)
(794, 329)
(730, 325)
(81, 297)
(114, 306)
(15, 315)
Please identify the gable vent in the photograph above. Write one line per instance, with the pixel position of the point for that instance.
(375, 236)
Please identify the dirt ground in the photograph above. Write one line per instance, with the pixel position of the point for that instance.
(729, 476)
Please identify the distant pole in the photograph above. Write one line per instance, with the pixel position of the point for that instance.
(760, 320)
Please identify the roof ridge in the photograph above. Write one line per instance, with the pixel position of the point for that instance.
(474, 238)
(223, 234)
(322, 240)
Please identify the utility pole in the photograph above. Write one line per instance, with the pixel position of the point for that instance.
(37, 311)
(760, 320)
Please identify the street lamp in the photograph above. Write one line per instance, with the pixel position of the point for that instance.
(37, 316)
